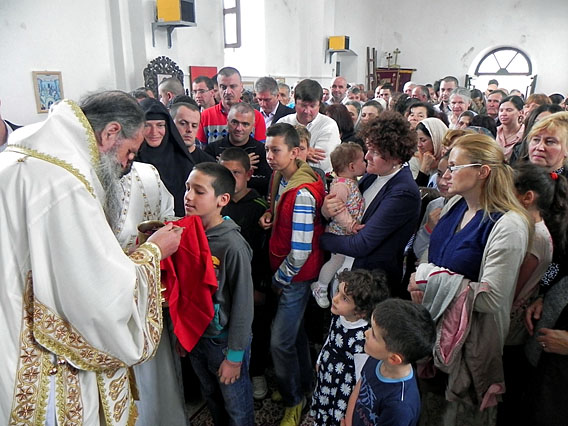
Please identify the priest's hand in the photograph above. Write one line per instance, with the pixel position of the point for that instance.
(229, 372)
(167, 238)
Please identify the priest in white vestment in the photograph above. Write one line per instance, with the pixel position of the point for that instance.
(159, 382)
(76, 311)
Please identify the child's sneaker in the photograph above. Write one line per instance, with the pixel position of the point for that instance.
(259, 387)
(320, 294)
(293, 415)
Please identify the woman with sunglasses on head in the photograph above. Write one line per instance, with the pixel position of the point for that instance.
(474, 257)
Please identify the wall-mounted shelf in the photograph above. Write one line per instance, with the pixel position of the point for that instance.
(170, 27)
(330, 52)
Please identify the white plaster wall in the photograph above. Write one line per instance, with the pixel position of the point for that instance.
(106, 44)
(445, 36)
(202, 45)
(53, 36)
(95, 44)
(284, 38)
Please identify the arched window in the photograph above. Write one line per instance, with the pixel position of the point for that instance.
(504, 61)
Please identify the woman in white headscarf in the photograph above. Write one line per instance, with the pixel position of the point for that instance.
(430, 132)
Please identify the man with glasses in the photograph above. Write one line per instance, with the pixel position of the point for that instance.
(202, 92)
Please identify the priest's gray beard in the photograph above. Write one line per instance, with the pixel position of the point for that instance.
(110, 171)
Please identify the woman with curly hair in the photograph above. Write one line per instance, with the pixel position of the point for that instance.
(392, 202)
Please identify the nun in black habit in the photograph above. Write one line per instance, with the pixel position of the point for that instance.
(171, 157)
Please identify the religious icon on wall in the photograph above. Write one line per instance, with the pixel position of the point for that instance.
(48, 89)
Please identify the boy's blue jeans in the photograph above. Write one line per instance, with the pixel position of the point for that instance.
(289, 344)
(228, 404)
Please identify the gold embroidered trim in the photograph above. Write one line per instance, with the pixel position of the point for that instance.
(92, 140)
(69, 401)
(110, 391)
(31, 387)
(53, 160)
(103, 397)
(60, 337)
(150, 255)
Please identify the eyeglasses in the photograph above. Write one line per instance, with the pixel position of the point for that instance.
(199, 91)
(462, 166)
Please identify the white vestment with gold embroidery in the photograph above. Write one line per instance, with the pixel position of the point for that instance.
(76, 311)
(161, 400)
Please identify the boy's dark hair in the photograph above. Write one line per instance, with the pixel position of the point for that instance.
(177, 105)
(287, 131)
(236, 154)
(308, 90)
(223, 180)
(367, 288)
(184, 99)
(343, 154)
(408, 328)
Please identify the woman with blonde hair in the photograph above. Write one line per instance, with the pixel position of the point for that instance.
(548, 143)
(474, 257)
(451, 136)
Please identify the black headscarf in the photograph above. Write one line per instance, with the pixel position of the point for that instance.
(171, 158)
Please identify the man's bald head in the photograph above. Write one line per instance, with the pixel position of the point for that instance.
(338, 89)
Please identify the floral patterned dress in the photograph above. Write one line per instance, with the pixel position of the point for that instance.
(336, 376)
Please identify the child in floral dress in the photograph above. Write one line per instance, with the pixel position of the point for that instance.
(342, 355)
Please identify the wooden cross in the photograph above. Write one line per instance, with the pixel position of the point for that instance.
(396, 53)
(388, 56)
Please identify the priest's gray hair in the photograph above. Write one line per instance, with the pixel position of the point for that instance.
(114, 105)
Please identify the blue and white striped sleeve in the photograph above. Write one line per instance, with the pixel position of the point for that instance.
(302, 234)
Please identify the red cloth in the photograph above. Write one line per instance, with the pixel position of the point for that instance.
(190, 282)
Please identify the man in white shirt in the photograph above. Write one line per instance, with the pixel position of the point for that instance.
(324, 131)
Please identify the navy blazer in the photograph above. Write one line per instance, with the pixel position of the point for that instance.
(390, 221)
(282, 111)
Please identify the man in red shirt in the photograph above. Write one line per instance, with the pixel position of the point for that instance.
(213, 123)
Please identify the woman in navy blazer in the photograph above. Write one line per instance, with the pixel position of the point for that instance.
(392, 202)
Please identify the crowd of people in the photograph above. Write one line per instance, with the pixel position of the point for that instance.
(393, 257)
